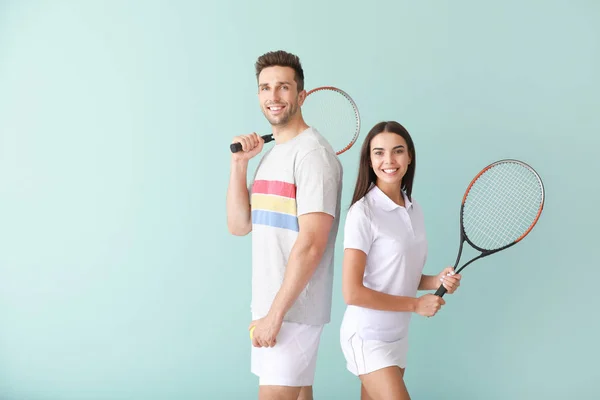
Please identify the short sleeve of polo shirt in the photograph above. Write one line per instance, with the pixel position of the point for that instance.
(358, 231)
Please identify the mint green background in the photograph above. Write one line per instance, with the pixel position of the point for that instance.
(118, 278)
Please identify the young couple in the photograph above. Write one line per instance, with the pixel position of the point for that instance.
(292, 207)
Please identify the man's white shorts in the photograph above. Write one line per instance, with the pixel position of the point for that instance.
(293, 359)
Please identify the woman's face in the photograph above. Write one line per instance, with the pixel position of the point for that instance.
(390, 157)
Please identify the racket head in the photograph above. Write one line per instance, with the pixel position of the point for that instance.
(333, 113)
(501, 205)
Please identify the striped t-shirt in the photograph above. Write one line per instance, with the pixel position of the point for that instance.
(301, 176)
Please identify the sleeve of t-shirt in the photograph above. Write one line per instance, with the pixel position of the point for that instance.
(253, 178)
(358, 232)
(318, 183)
(251, 184)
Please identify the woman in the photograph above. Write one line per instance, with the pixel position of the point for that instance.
(385, 249)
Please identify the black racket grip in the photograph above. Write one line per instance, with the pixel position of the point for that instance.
(235, 147)
(441, 291)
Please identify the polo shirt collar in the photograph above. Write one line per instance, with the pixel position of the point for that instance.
(383, 201)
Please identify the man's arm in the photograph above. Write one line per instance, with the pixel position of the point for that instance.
(239, 220)
(303, 261)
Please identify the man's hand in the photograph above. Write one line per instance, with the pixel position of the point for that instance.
(252, 144)
(264, 331)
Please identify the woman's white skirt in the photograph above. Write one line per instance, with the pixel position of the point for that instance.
(365, 356)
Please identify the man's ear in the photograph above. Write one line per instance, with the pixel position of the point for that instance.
(301, 97)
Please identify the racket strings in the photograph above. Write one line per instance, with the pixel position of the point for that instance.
(495, 221)
(333, 115)
(492, 226)
(501, 205)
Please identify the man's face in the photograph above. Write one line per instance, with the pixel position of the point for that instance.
(278, 94)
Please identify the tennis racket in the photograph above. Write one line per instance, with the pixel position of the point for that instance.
(500, 207)
(333, 113)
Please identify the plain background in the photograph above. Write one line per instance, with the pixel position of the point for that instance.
(118, 278)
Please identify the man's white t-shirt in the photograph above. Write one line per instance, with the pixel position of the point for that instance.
(300, 176)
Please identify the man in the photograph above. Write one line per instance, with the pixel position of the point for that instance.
(292, 208)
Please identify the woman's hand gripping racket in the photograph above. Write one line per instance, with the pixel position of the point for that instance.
(500, 207)
(333, 113)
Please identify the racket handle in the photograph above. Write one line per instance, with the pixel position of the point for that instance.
(235, 147)
(441, 291)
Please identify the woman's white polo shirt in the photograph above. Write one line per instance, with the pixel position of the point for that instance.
(393, 238)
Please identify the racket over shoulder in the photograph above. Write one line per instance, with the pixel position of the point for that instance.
(334, 114)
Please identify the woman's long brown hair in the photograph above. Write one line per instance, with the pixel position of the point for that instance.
(366, 176)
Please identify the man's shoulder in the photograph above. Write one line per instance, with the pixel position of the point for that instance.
(311, 140)
(315, 150)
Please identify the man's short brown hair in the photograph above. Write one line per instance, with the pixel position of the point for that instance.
(281, 58)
